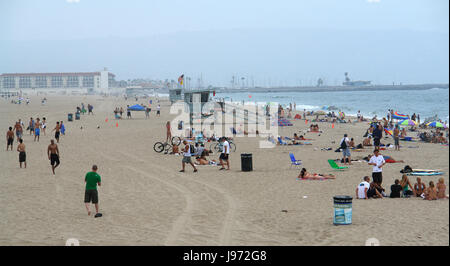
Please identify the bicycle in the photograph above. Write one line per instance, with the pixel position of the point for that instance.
(218, 147)
(165, 146)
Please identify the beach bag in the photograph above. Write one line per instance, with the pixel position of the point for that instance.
(406, 170)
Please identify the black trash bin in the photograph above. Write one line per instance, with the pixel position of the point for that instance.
(70, 117)
(246, 162)
(77, 116)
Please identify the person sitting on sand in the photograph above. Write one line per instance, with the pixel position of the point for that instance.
(403, 133)
(367, 141)
(351, 144)
(396, 189)
(296, 137)
(405, 187)
(431, 192)
(362, 188)
(374, 191)
(306, 175)
(175, 150)
(390, 159)
(419, 187)
(441, 187)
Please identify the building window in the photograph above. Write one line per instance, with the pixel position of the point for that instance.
(24, 82)
(57, 82)
(72, 82)
(9, 82)
(41, 82)
(88, 82)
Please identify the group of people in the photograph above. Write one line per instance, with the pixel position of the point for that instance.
(34, 127)
(200, 153)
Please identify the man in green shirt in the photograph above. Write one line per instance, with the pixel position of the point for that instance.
(91, 194)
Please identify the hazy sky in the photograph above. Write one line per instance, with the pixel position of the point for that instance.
(22, 21)
(73, 19)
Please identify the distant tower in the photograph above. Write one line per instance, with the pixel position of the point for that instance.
(347, 79)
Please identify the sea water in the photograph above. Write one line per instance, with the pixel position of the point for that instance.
(427, 103)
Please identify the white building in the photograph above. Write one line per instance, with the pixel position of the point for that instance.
(66, 83)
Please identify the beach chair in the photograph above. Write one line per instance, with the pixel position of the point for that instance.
(281, 142)
(294, 161)
(334, 165)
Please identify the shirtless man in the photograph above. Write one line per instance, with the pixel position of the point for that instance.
(19, 130)
(397, 138)
(10, 138)
(37, 129)
(57, 131)
(22, 154)
(31, 126)
(53, 155)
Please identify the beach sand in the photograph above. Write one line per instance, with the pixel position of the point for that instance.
(146, 201)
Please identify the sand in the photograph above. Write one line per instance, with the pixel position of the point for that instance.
(146, 201)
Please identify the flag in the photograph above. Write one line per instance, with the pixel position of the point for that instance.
(181, 79)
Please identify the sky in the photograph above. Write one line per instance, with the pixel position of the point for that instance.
(26, 24)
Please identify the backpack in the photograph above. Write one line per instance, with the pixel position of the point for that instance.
(343, 144)
(192, 149)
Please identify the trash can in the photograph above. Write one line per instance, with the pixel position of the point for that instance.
(70, 117)
(77, 116)
(342, 210)
(246, 162)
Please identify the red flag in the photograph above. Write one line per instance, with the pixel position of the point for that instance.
(214, 93)
(332, 125)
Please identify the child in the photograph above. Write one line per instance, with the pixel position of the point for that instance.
(441, 189)
(431, 193)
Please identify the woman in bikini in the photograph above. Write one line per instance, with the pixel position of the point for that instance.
(305, 175)
(419, 187)
(431, 192)
(441, 187)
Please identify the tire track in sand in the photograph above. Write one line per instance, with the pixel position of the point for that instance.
(181, 220)
(225, 232)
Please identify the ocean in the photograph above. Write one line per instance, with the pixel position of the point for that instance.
(427, 103)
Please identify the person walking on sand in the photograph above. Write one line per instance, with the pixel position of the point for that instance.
(37, 129)
(53, 155)
(44, 125)
(63, 128)
(57, 130)
(128, 112)
(19, 130)
(345, 147)
(224, 156)
(22, 154)
(397, 138)
(377, 160)
(9, 138)
(187, 156)
(377, 135)
(169, 132)
(92, 179)
(158, 110)
(31, 126)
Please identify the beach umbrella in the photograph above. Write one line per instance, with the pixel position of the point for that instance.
(436, 124)
(408, 122)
